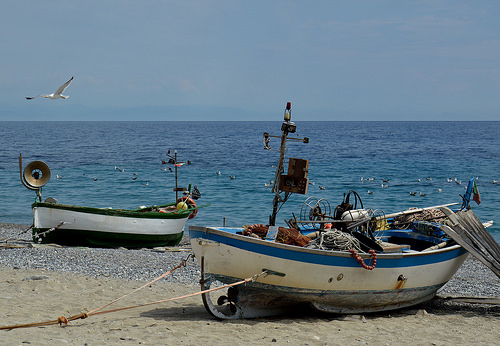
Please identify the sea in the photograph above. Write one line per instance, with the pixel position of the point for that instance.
(119, 165)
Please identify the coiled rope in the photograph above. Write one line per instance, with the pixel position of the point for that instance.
(63, 320)
(335, 239)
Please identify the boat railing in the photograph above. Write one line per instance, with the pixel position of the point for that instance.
(324, 221)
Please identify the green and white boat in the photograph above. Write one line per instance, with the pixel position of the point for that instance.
(63, 224)
(75, 225)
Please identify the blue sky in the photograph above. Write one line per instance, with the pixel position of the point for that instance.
(243, 60)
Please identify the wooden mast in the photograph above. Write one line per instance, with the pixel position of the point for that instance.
(287, 127)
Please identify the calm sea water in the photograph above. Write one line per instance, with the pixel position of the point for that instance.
(340, 153)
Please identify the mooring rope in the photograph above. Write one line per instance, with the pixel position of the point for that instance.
(63, 320)
(6, 240)
(180, 265)
(39, 236)
(253, 278)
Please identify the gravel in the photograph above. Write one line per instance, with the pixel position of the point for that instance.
(17, 251)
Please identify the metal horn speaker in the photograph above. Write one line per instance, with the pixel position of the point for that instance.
(36, 174)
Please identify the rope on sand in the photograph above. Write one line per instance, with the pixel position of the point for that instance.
(63, 320)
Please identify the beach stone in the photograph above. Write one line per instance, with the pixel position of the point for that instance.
(353, 318)
(421, 312)
(36, 277)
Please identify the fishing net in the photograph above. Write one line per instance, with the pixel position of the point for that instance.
(291, 236)
(288, 236)
(407, 220)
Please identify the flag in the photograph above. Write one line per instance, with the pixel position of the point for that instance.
(475, 191)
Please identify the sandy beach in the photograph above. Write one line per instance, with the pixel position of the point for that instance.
(36, 295)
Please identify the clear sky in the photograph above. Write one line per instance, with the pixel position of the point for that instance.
(243, 60)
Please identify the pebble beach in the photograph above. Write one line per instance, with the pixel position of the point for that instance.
(43, 282)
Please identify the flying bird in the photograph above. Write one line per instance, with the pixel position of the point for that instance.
(58, 94)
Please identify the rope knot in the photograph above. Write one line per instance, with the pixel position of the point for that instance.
(62, 320)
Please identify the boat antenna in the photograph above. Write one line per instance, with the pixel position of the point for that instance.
(173, 160)
(287, 127)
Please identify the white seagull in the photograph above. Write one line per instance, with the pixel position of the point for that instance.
(58, 94)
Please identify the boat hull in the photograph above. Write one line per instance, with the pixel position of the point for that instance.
(73, 225)
(331, 281)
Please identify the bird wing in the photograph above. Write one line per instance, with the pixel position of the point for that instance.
(34, 97)
(63, 87)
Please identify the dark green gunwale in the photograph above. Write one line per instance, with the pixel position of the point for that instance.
(137, 213)
(106, 239)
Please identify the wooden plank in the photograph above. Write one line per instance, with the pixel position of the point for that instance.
(478, 232)
(492, 244)
(481, 238)
(472, 300)
(391, 248)
(475, 234)
(472, 236)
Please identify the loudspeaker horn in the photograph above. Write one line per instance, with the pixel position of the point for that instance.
(36, 174)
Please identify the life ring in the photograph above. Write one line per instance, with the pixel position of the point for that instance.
(191, 203)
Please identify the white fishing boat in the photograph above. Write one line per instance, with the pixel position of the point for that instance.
(153, 226)
(352, 260)
(105, 227)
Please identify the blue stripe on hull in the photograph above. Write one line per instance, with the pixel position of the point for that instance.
(328, 258)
